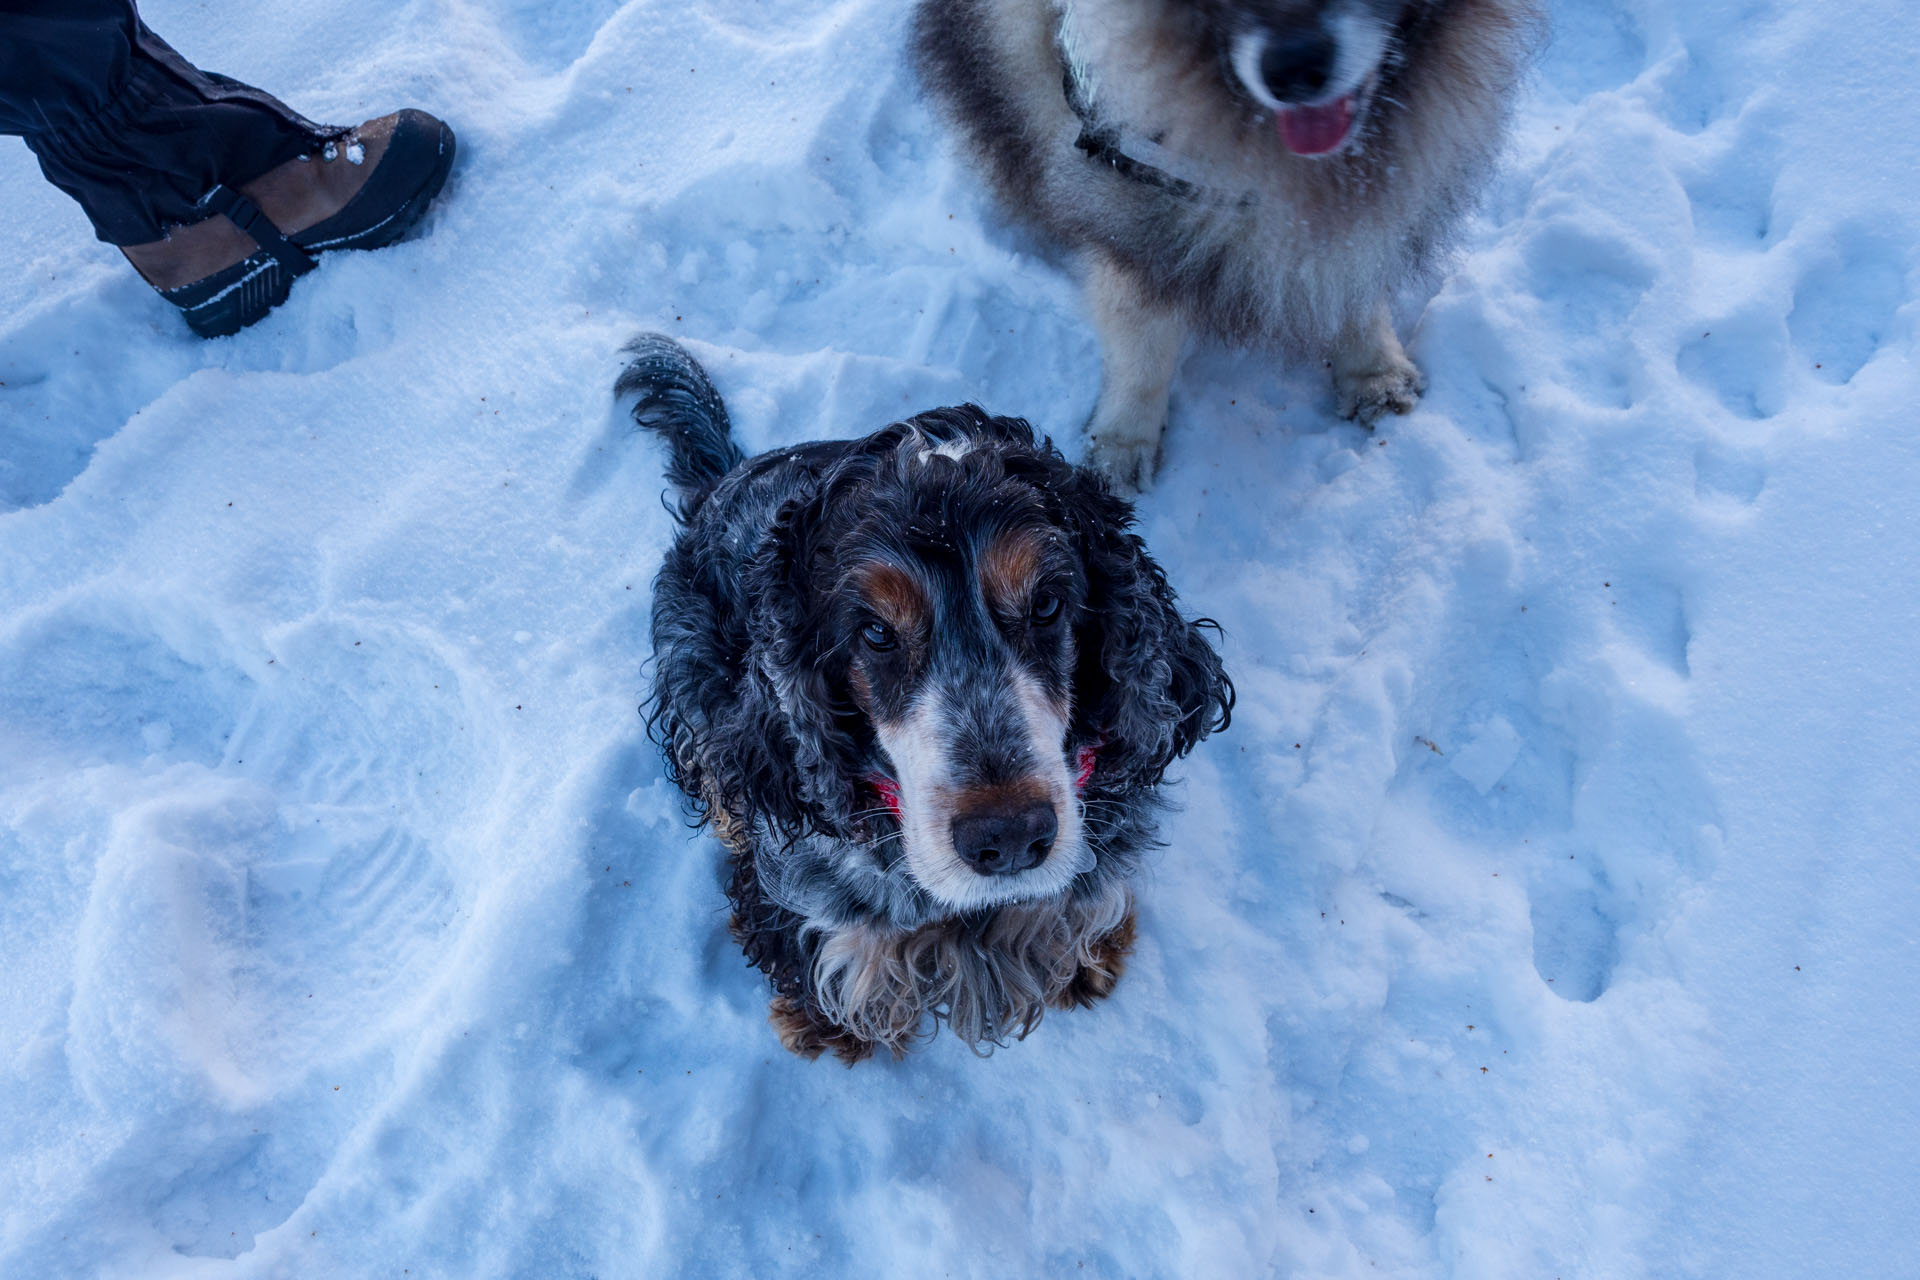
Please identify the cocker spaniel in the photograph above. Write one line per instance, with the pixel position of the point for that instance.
(924, 685)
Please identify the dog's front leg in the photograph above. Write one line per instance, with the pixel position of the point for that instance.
(1372, 372)
(1139, 345)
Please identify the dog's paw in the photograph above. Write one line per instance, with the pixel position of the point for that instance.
(1097, 980)
(803, 1034)
(1128, 464)
(1391, 386)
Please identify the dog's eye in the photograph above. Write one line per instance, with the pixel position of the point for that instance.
(879, 637)
(1045, 610)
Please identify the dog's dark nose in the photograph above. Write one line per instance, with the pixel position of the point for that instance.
(1002, 841)
(1298, 64)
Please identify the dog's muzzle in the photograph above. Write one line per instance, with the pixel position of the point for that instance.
(1313, 76)
(1005, 839)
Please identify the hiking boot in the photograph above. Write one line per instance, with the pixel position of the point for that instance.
(361, 189)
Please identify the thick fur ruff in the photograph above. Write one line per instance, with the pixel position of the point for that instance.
(1051, 672)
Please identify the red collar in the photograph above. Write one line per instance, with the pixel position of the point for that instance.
(1087, 757)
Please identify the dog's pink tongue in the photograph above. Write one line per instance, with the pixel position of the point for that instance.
(1314, 131)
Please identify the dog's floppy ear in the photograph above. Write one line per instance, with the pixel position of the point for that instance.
(1148, 682)
(795, 748)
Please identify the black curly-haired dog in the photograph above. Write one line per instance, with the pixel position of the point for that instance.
(924, 685)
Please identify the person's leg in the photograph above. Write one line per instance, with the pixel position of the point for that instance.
(125, 125)
(60, 60)
(218, 193)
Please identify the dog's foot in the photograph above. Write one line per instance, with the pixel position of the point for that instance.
(1097, 980)
(1128, 464)
(1140, 343)
(1394, 386)
(1372, 373)
(800, 1032)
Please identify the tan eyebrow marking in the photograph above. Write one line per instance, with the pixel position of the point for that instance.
(1008, 569)
(894, 594)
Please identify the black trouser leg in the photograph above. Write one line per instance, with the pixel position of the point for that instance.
(125, 125)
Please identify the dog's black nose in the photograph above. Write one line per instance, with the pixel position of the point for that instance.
(1298, 64)
(1000, 842)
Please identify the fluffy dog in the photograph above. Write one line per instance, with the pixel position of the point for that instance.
(924, 686)
(1269, 172)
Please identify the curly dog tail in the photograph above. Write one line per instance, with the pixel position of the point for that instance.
(679, 403)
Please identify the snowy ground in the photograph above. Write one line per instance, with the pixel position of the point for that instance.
(1547, 911)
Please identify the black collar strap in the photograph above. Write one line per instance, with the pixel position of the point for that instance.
(1108, 143)
(1102, 143)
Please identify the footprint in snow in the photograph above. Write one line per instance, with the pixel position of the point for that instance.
(1846, 303)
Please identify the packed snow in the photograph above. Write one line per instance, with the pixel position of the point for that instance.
(1548, 909)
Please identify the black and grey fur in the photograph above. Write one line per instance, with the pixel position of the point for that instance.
(1147, 137)
(924, 684)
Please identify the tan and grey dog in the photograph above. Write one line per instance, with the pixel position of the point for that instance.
(1269, 172)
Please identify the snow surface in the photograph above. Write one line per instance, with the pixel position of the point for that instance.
(1548, 910)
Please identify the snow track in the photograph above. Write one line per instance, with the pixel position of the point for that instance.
(1546, 910)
